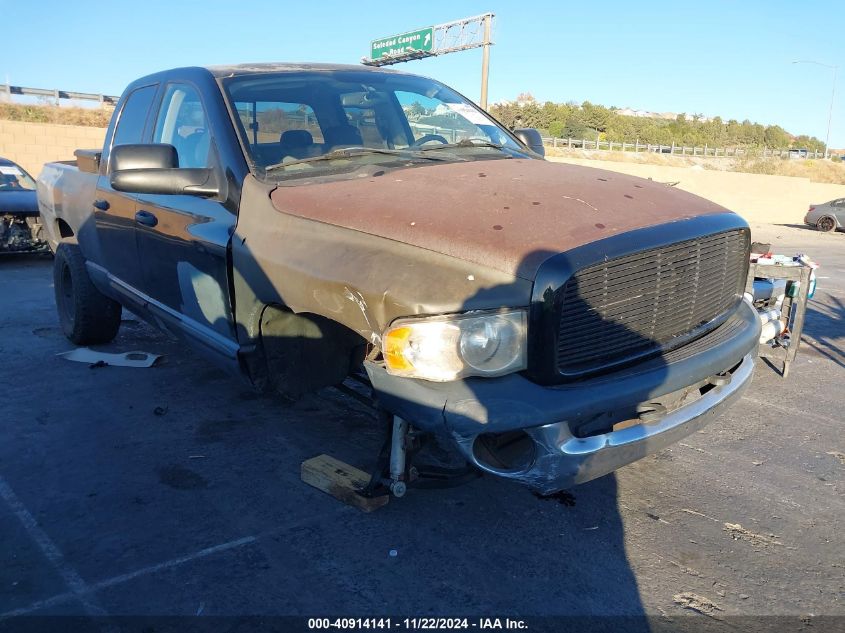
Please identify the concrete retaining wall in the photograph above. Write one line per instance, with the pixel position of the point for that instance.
(33, 144)
(758, 198)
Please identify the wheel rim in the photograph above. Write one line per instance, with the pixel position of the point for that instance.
(826, 224)
(66, 294)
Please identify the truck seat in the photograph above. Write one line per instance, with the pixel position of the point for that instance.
(193, 150)
(342, 136)
(297, 143)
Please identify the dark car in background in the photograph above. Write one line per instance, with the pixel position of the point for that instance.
(20, 229)
(827, 217)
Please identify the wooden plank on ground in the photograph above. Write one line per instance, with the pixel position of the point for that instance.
(341, 481)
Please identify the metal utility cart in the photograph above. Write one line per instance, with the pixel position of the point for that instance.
(793, 308)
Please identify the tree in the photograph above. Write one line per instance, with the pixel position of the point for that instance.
(587, 120)
(416, 109)
(595, 116)
(576, 129)
(776, 137)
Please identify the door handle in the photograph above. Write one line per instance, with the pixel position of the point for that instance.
(102, 205)
(146, 218)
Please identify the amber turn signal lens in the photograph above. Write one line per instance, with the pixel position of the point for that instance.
(394, 347)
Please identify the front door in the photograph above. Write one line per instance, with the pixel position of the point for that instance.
(114, 211)
(183, 240)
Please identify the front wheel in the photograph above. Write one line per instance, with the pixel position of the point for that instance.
(826, 224)
(86, 315)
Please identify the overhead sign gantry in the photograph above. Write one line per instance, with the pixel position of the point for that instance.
(431, 41)
(398, 45)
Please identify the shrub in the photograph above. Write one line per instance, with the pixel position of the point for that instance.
(91, 117)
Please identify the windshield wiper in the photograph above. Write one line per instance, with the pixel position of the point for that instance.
(467, 142)
(348, 152)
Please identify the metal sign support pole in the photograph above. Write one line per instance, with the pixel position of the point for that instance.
(485, 60)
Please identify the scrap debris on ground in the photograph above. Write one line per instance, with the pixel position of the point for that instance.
(694, 602)
(102, 359)
(739, 533)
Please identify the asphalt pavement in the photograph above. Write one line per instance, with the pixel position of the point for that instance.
(176, 490)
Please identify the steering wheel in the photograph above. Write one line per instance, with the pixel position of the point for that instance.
(427, 138)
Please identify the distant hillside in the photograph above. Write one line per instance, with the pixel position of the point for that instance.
(553, 119)
(571, 120)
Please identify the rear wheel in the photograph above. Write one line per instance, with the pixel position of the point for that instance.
(86, 315)
(826, 224)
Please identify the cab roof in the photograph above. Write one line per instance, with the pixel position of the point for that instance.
(275, 67)
(215, 73)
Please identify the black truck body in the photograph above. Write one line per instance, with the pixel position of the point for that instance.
(303, 222)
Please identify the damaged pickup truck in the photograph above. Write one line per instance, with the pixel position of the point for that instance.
(301, 223)
(20, 230)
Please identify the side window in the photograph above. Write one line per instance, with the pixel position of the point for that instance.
(276, 118)
(280, 129)
(454, 122)
(266, 121)
(133, 116)
(182, 123)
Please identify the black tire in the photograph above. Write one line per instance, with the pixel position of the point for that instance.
(86, 315)
(825, 224)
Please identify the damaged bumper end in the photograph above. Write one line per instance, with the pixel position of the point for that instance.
(551, 438)
(562, 459)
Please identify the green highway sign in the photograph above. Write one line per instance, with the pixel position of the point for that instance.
(420, 40)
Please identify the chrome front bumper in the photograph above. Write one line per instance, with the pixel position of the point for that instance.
(563, 431)
(562, 460)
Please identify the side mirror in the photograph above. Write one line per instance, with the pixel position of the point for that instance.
(154, 168)
(148, 156)
(531, 137)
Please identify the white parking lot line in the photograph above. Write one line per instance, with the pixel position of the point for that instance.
(208, 551)
(78, 588)
(84, 589)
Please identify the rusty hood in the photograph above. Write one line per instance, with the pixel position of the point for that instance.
(503, 214)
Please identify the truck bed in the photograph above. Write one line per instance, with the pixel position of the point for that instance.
(65, 194)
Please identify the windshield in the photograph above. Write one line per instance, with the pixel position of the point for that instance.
(13, 178)
(293, 123)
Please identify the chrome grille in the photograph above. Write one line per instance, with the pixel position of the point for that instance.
(637, 305)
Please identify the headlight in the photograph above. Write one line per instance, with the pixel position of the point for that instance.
(451, 347)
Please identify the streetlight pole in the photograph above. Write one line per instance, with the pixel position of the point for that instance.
(832, 97)
(830, 113)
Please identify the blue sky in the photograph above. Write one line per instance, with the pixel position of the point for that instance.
(730, 59)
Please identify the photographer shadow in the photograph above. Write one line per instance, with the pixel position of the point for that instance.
(560, 557)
